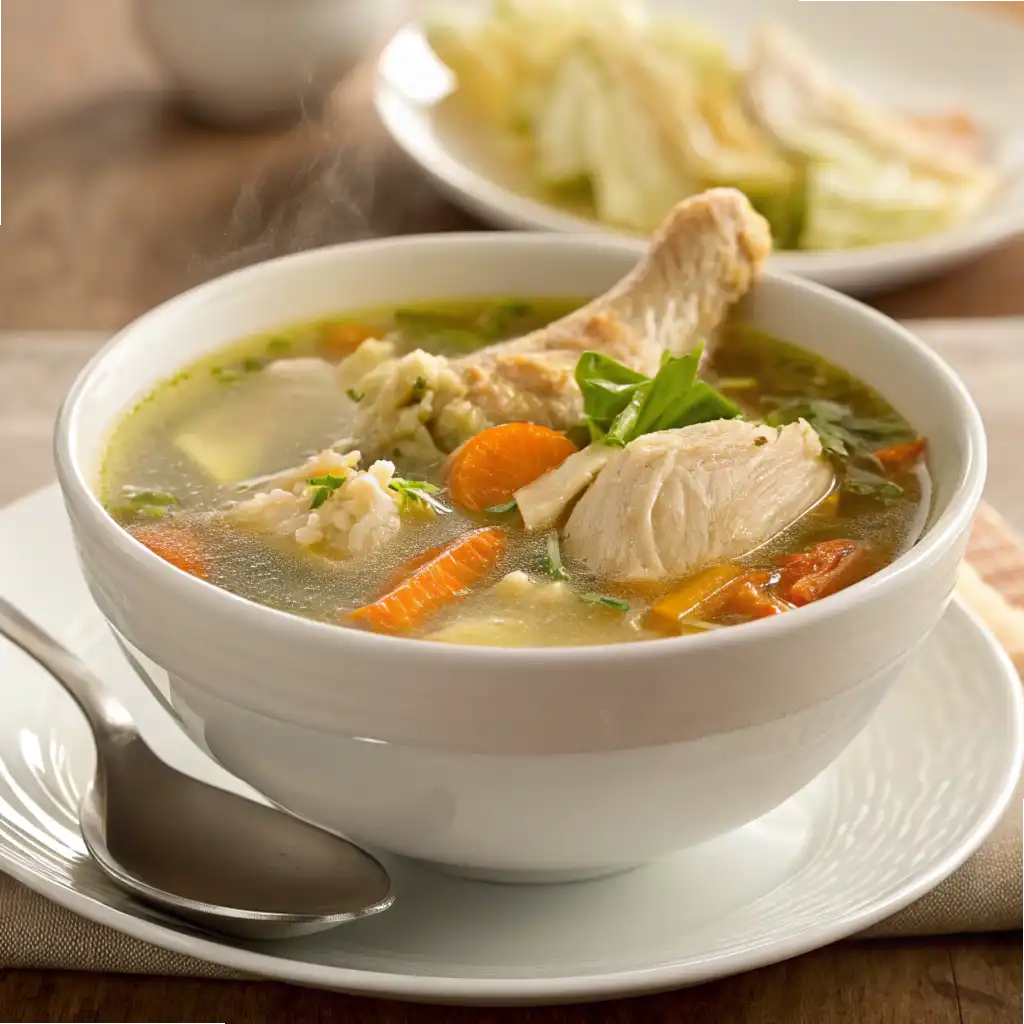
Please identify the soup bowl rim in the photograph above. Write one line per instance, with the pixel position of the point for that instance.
(232, 609)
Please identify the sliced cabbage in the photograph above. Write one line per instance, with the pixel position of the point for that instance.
(873, 176)
(592, 127)
(871, 204)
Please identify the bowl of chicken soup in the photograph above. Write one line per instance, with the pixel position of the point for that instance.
(509, 554)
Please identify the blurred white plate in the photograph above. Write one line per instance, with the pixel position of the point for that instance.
(922, 57)
(908, 801)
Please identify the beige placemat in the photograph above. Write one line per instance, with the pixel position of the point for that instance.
(983, 895)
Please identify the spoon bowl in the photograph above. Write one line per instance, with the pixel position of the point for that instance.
(196, 851)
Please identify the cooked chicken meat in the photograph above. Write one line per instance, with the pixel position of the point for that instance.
(704, 258)
(672, 502)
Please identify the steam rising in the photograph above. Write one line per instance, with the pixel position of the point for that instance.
(333, 178)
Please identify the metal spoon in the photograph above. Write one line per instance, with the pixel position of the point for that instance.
(195, 851)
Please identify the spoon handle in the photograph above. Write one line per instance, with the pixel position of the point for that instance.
(108, 717)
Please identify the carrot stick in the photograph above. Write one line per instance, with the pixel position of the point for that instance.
(748, 598)
(904, 454)
(701, 597)
(824, 569)
(491, 466)
(342, 339)
(445, 578)
(175, 544)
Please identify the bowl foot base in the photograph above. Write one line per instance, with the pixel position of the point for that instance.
(540, 877)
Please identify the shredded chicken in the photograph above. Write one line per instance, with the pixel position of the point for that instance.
(672, 502)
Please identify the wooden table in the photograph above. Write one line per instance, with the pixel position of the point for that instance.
(114, 202)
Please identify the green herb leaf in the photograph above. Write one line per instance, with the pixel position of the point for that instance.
(324, 486)
(841, 433)
(356, 396)
(620, 404)
(416, 492)
(509, 506)
(278, 346)
(604, 599)
(607, 386)
(669, 392)
(553, 559)
(858, 479)
(148, 504)
(419, 387)
(225, 374)
(624, 426)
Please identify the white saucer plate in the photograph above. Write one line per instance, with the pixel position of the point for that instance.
(904, 806)
(891, 52)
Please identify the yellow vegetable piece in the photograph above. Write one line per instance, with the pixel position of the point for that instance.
(703, 596)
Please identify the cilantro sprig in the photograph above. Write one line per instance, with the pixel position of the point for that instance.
(419, 494)
(620, 404)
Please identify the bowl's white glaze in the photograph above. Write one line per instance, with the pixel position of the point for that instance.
(245, 61)
(520, 763)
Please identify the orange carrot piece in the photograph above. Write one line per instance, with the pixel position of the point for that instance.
(445, 578)
(824, 569)
(177, 545)
(490, 467)
(342, 339)
(903, 454)
(748, 597)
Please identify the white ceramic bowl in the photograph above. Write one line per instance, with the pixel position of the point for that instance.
(519, 764)
(245, 61)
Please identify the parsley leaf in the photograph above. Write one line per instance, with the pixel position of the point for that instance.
(149, 504)
(509, 506)
(620, 404)
(324, 486)
(416, 493)
(553, 559)
(604, 599)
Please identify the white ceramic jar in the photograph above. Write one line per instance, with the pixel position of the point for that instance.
(247, 61)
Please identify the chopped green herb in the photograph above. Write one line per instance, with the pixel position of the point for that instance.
(553, 559)
(324, 487)
(356, 396)
(278, 346)
(860, 480)
(149, 504)
(498, 509)
(604, 599)
(230, 374)
(417, 492)
(840, 431)
(419, 387)
(760, 442)
(620, 404)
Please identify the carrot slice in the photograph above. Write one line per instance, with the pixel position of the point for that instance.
(342, 339)
(702, 596)
(824, 569)
(177, 545)
(490, 467)
(904, 454)
(748, 597)
(445, 578)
